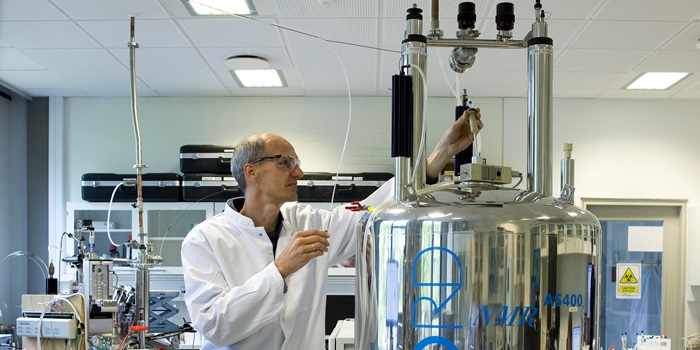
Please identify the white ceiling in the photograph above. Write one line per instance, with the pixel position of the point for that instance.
(79, 48)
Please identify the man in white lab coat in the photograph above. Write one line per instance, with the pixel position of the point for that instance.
(255, 275)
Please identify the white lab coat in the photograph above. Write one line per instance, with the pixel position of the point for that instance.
(234, 292)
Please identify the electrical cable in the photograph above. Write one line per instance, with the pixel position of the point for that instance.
(691, 341)
(519, 181)
(421, 147)
(109, 213)
(347, 130)
(69, 303)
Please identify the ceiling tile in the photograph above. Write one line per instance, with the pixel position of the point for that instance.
(45, 35)
(166, 83)
(15, 60)
(353, 31)
(447, 12)
(75, 60)
(325, 80)
(29, 10)
(392, 31)
(583, 80)
(599, 45)
(341, 57)
(696, 86)
(595, 60)
(57, 92)
(107, 83)
(694, 95)
(340, 9)
(231, 32)
(109, 9)
(277, 56)
(560, 93)
(683, 61)
(561, 32)
(687, 39)
(164, 59)
(625, 35)
(524, 10)
(624, 10)
(637, 94)
(32, 79)
(147, 33)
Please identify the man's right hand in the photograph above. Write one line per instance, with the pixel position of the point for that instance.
(304, 246)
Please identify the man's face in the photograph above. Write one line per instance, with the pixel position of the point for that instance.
(278, 172)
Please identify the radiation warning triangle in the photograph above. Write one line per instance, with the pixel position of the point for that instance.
(628, 277)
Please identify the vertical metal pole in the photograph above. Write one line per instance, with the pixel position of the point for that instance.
(539, 150)
(414, 55)
(142, 274)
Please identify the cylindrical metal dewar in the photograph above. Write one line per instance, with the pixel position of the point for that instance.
(478, 268)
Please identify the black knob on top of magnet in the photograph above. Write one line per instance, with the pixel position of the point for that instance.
(505, 18)
(466, 16)
(414, 13)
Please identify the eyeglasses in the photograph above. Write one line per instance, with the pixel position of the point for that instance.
(287, 162)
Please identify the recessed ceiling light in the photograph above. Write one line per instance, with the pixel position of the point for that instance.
(656, 80)
(257, 78)
(219, 7)
(247, 62)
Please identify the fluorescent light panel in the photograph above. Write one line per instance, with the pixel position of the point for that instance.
(258, 78)
(656, 81)
(220, 7)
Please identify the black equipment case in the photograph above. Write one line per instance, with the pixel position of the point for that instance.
(205, 159)
(157, 187)
(318, 187)
(209, 188)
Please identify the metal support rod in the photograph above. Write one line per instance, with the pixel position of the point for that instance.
(540, 62)
(143, 296)
(137, 131)
(478, 43)
(142, 277)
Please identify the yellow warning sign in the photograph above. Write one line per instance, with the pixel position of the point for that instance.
(629, 289)
(628, 281)
(628, 277)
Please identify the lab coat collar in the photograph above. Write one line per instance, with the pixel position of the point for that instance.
(232, 213)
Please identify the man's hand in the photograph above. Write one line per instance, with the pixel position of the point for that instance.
(304, 246)
(455, 139)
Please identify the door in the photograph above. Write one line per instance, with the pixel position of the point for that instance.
(642, 270)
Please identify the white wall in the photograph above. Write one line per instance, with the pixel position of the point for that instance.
(622, 148)
(100, 136)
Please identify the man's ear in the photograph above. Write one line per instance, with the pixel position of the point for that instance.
(249, 171)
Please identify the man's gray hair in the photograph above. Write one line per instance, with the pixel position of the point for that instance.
(250, 148)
